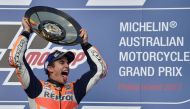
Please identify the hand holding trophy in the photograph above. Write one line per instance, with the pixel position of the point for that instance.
(54, 25)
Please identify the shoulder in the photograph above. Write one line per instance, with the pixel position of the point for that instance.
(69, 85)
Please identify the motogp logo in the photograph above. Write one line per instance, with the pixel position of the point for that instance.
(38, 50)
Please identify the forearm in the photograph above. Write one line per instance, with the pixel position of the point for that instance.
(97, 64)
(97, 71)
(95, 61)
(17, 59)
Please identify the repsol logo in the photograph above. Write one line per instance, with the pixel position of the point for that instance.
(58, 97)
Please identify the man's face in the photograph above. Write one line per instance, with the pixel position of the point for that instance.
(60, 70)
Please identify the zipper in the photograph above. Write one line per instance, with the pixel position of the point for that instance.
(60, 99)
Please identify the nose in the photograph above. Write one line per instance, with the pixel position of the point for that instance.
(66, 65)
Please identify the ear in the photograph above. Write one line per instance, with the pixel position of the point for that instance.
(50, 69)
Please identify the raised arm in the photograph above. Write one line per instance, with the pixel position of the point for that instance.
(26, 77)
(98, 69)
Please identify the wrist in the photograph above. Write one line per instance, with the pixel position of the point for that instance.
(27, 30)
(84, 43)
(26, 34)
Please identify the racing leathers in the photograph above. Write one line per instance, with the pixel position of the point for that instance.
(50, 94)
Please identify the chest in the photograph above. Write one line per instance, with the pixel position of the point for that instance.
(65, 93)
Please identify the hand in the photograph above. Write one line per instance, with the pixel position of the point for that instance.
(26, 25)
(84, 36)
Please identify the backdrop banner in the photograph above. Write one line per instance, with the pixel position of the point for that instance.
(145, 44)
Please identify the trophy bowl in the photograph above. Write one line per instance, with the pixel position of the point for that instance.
(54, 25)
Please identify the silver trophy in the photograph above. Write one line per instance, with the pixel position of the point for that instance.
(54, 25)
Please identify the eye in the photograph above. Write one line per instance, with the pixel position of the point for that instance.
(63, 62)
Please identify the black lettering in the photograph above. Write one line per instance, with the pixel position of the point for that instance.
(46, 94)
(52, 95)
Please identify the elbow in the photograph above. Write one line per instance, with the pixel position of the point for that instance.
(12, 61)
(15, 59)
(17, 52)
(103, 74)
(103, 70)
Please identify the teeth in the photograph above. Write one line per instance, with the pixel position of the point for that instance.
(64, 73)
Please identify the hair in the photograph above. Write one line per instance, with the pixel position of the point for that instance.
(50, 64)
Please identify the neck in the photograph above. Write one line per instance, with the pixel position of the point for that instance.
(55, 82)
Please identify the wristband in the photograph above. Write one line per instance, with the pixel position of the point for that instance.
(26, 34)
(86, 45)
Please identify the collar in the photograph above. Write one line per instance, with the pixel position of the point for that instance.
(57, 84)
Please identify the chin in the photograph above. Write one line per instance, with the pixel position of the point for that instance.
(64, 82)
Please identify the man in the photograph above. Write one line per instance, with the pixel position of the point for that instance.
(55, 93)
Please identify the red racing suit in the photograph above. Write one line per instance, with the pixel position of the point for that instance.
(49, 94)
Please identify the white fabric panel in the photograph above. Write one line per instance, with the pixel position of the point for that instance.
(111, 107)
(12, 106)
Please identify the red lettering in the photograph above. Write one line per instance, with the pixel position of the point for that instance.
(33, 57)
(37, 59)
(43, 58)
(79, 57)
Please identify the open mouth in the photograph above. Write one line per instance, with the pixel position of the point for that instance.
(64, 73)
